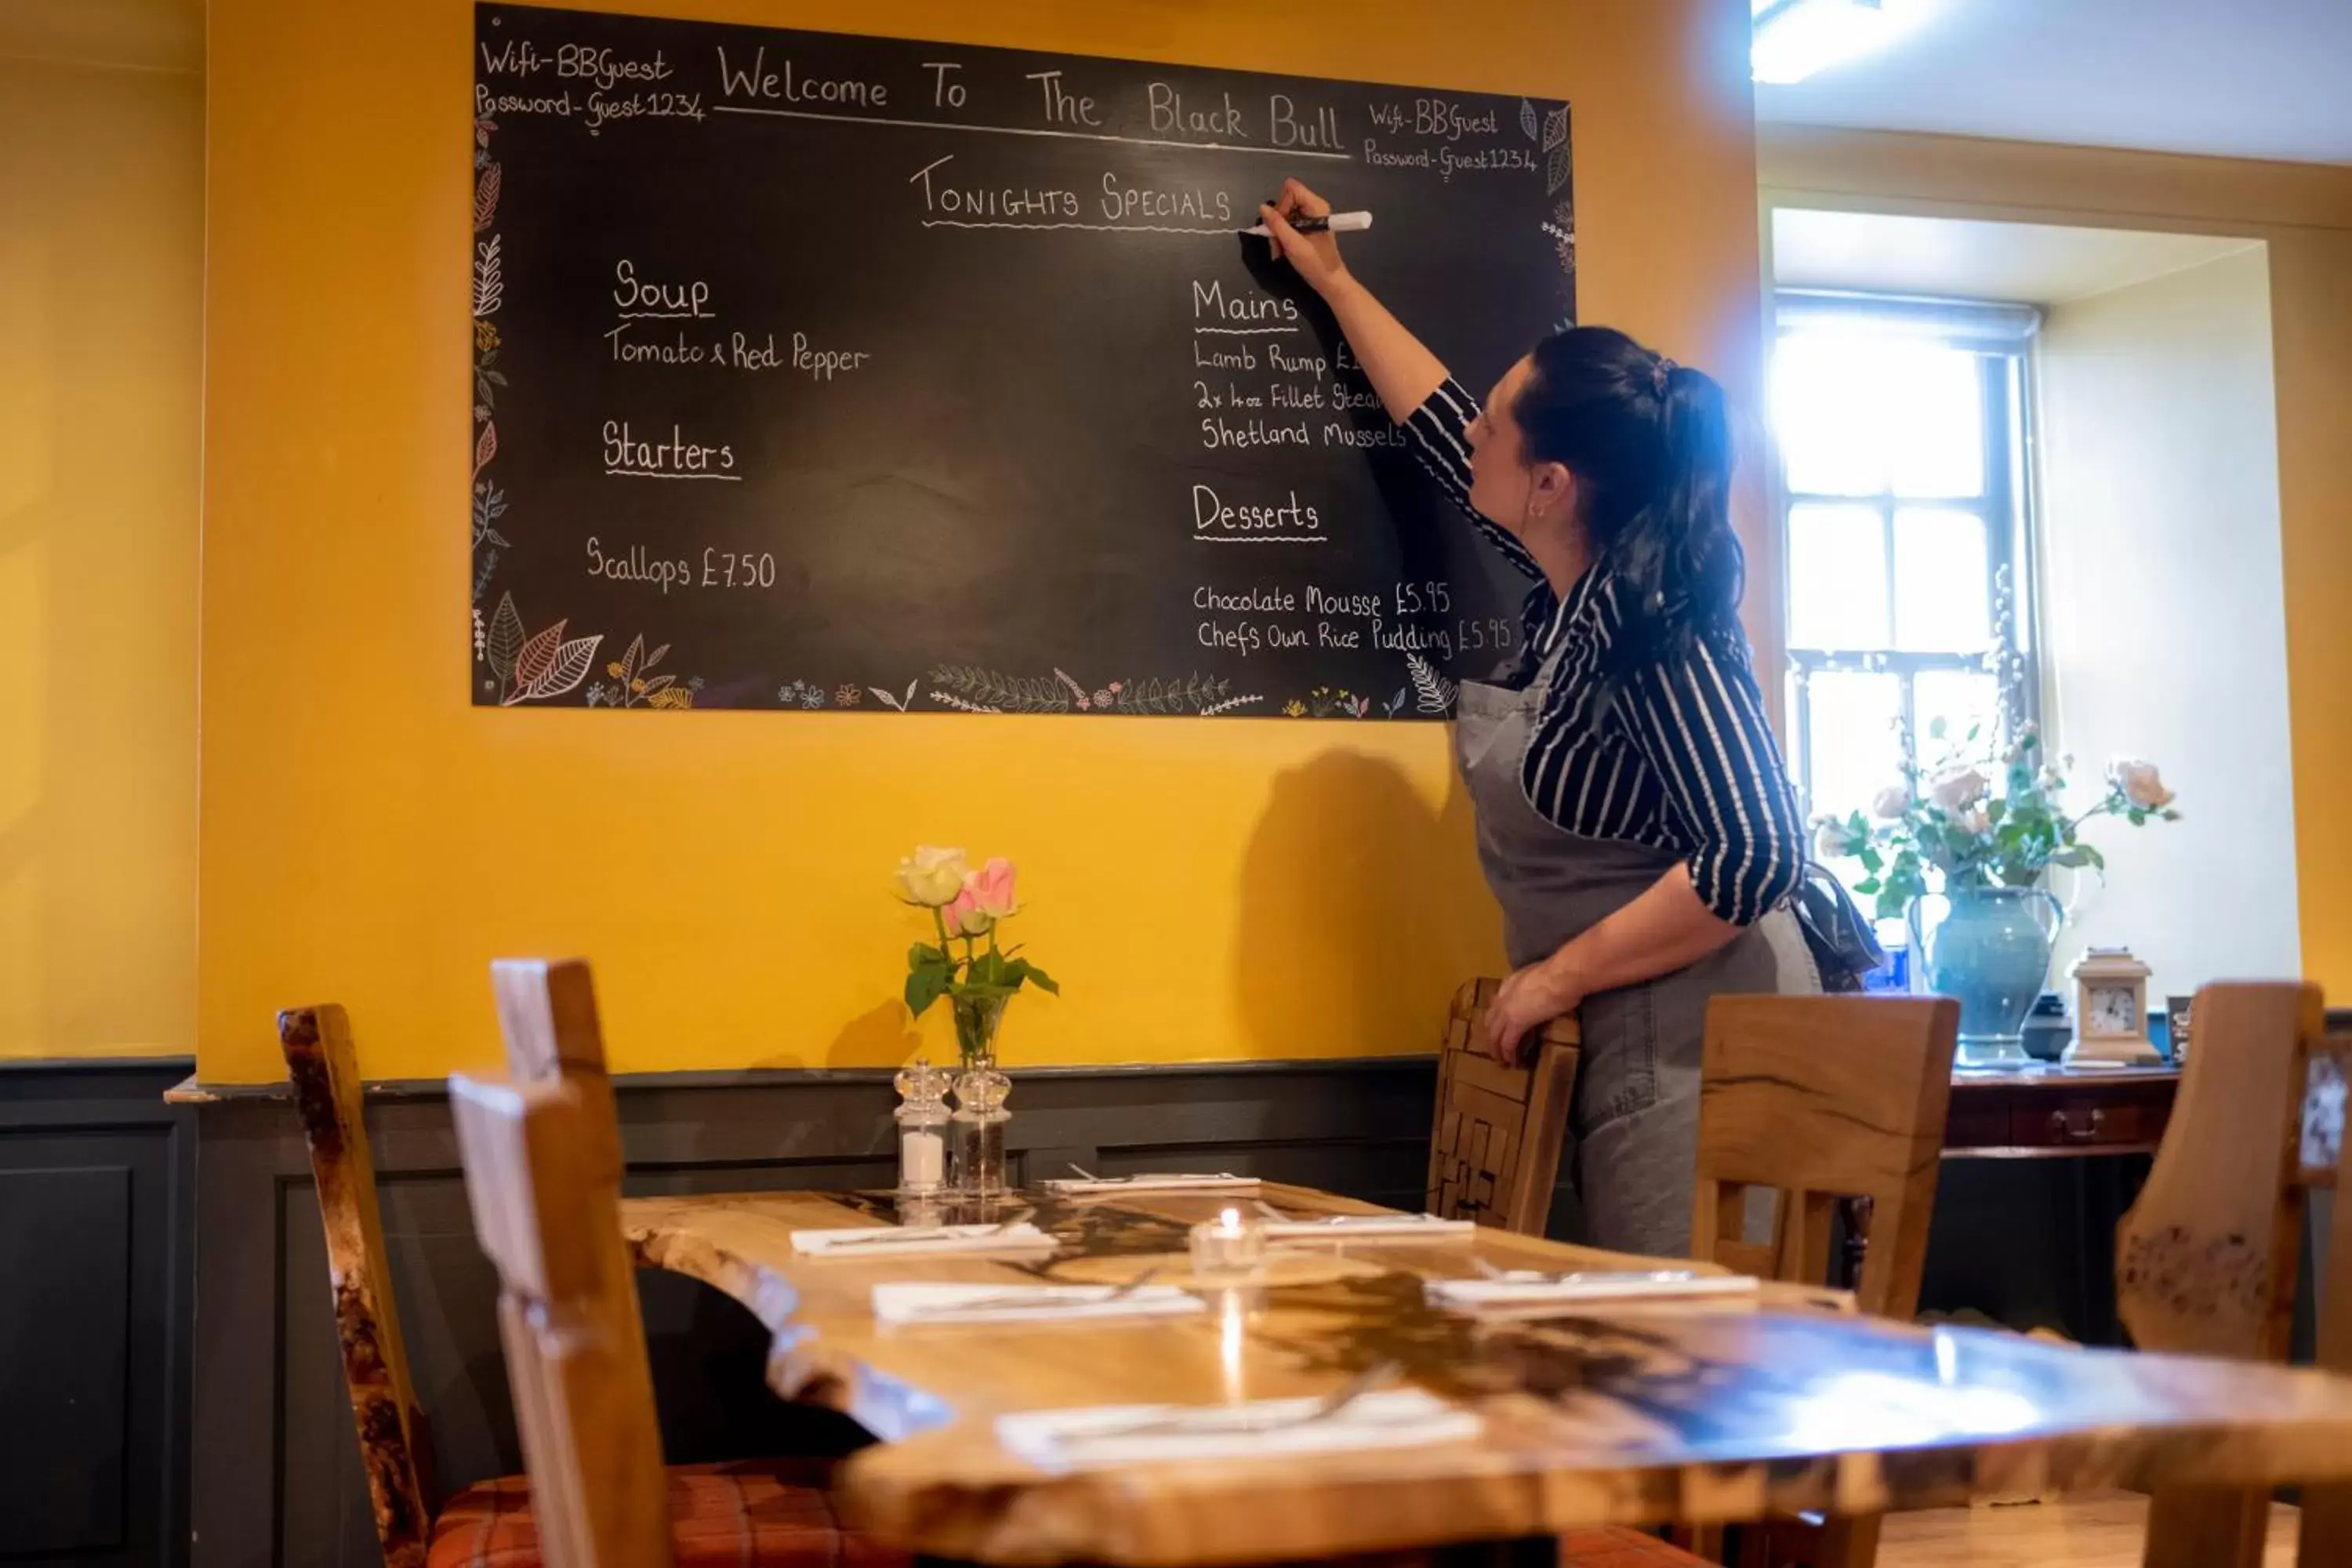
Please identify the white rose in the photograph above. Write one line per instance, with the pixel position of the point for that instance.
(2142, 785)
(1891, 802)
(1829, 839)
(931, 876)
(1958, 791)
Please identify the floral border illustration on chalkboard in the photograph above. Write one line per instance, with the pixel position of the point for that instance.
(532, 667)
(634, 684)
(1549, 132)
(489, 293)
(969, 688)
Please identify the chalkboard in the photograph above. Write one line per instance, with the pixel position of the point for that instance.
(816, 372)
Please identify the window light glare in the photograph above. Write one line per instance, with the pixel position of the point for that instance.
(1796, 38)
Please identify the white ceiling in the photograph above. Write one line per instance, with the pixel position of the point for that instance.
(2252, 79)
(1962, 258)
(144, 34)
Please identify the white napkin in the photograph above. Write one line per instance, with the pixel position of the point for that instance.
(890, 1240)
(1351, 1227)
(1525, 1287)
(909, 1302)
(1138, 1434)
(1176, 1181)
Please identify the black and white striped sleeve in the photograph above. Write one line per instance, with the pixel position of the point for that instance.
(1698, 720)
(1439, 432)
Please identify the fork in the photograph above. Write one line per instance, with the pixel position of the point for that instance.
(1025, 1298)
(1575, 1275)
(1378, 1375)
(922, 1233)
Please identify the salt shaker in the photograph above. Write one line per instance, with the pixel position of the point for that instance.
(922, 1116)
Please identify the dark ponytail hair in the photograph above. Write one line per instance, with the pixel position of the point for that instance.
(1650, 444)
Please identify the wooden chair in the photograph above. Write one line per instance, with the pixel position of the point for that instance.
(2207, 1260)
(1823, 1099)
(495, 1524)
(1494, 1154)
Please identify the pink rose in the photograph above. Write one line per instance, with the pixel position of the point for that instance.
(964, 914)
(991, 887)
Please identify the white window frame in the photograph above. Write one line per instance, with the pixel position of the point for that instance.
(2001, 336)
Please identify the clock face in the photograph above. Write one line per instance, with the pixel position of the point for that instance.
(2110, 1010)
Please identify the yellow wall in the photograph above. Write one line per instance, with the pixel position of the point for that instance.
(2304, 214)
(101, 233)
(1203, 889)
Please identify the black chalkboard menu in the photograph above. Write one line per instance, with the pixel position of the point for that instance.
(816, 372)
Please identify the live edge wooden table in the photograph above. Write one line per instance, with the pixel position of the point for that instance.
(1596, 1418)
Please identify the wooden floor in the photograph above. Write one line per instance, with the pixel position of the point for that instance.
(2089, 1530)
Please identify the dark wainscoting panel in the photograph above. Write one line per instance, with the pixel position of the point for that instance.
(276, 1476)
(97, 1182)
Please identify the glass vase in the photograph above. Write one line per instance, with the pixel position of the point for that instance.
(1991, 953)
(976, 1021)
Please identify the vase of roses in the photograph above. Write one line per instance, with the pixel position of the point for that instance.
(1979, 833)
(969, 965)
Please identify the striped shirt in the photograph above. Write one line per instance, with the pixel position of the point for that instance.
(1682, 761)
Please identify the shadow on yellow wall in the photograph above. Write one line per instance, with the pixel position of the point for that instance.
(1385, 892)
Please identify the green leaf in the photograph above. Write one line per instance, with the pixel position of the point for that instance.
(1040, 978)
(925, 985)
(1868, 886)
(1871, 859)
(923, 953)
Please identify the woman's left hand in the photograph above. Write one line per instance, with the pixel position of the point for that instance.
(1529, 1000)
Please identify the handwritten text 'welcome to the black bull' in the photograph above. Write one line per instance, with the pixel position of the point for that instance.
(1286, 124)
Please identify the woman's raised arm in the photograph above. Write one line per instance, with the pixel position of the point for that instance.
(1399, 367)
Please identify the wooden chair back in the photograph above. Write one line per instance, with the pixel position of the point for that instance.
(1822, 1099)
(394, 1447)
(1494, 1152)
(1831, 1103)
(2206, 1260)
(546, 1217)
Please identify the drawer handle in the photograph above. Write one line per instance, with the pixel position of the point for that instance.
(2074, 1132)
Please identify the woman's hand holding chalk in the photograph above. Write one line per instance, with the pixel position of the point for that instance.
(1336, 223)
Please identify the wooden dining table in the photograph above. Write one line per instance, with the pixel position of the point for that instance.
(1632, 1414)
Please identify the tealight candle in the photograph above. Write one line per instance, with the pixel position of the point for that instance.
(1227, 1244)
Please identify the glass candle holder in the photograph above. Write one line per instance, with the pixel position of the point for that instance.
(922, 1116)
(1227, 1245)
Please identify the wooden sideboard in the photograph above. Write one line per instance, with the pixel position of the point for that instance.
(2047, 1110)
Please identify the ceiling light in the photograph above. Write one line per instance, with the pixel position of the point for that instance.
(1794, 38)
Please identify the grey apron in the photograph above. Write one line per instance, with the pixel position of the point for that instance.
(1634, 1112)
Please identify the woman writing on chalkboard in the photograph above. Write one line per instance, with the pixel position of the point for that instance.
(1634, 820)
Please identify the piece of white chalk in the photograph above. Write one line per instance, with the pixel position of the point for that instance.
(1337, 222)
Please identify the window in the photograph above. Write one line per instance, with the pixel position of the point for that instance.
(1900, 425)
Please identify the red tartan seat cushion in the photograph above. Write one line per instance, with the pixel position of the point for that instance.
(1623, 1549)
(771, 1513)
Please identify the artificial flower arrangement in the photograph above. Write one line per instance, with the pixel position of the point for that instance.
(968, 907)
(1973, 833)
